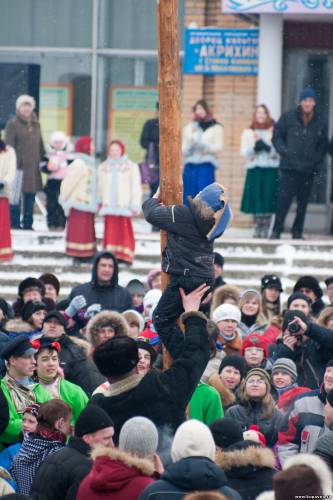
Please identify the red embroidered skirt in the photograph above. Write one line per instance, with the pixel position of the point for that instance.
(5, 238)
(80, 234)
(119, 237)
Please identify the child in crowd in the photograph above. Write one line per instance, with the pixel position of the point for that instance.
(227, 317)
(255, 352)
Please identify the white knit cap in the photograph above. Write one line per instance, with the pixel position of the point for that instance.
(58, 136)
(25, 99)
(139, 435)
(226, 311)
(152, 298)
(193, 439)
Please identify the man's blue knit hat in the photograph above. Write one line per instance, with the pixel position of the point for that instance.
(307, 93)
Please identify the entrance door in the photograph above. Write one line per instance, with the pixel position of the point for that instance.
(304, 67)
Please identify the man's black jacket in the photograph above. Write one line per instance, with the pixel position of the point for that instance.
(162, 396)
(302, 148)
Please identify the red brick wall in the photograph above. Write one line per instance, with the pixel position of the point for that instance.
(232, 99)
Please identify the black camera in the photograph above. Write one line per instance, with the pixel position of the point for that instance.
(293, 328)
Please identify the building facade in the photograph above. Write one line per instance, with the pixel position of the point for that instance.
(98, 73)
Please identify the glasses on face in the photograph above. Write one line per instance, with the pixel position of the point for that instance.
(255, 381)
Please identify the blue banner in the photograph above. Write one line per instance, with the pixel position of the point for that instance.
(210, 51)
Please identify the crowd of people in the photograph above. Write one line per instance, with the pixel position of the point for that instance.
(107, 394)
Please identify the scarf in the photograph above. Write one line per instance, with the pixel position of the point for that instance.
(121, 163)
(22, 395)
(124, 385)
(282, 390)
(205, 123)
(248, 320)
(262, 126)
(51, 434)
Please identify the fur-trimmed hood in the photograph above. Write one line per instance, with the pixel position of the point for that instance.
(106, 318)
(223, 292)
(144, 465)
(87, 348)
(227, 396)
(254, 456)
(17, 325)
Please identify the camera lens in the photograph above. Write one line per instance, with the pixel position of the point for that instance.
(293, 328)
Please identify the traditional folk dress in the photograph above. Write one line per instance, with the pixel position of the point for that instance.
(119, 195)
(7, 176)
(261, 182)
(79, 201)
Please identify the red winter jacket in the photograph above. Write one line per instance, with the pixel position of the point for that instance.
(116, 474)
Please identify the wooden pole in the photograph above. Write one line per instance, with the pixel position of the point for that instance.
(169, 118)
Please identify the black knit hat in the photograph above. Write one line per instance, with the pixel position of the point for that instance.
(116, 356)
(31, 283)
(50, 279)
(226, 431)
(309, 282)
(300, 296)
(218, 259)
(236, 362)
(271, 280)
(289, 316)
(92, 419)
(31, 307)
(136, 287)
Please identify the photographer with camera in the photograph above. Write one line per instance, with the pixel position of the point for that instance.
(309, 345)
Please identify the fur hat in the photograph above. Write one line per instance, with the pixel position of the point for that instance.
(25, 99)
(92, 419)
(226, 431)
(192, 439)
(236, 362)
(116, 356)
(226, 311)
(303, 475)
(222, 293)
(112, 319)
(31, 283)
(133, 316)
(255, 340)
(31, 307)
(50, 279)
(285, 365)
(139, 436)
(309, 282)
